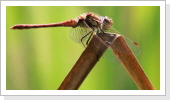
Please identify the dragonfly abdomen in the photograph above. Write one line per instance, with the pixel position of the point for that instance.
(69, 23)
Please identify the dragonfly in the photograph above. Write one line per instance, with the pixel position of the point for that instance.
(84, 27)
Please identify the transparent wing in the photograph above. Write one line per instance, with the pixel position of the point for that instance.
(132, 44)
(110, 56)
(81, 35)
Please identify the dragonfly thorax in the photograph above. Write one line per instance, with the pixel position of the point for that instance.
(93, 21)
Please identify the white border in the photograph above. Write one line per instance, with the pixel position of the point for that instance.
(1, 97)
(82, 3)
(167, 1)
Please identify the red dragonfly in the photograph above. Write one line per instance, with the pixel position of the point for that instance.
(83, 28)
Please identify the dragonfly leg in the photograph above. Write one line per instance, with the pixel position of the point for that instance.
(92, 30)
(87, 42)
(84, 37)
(99, 28)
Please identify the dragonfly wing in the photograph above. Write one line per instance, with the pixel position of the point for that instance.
(80, 34)
(110, 56)
(132, 44)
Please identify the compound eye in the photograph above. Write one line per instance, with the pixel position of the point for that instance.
(107, 23)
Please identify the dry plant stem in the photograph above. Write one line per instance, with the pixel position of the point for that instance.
(130, 63)
(86, 62)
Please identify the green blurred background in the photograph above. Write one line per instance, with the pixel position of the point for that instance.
(40, 59)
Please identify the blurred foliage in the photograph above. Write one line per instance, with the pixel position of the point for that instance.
(39, 59)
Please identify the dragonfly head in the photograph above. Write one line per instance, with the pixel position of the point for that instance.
(106, 23)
